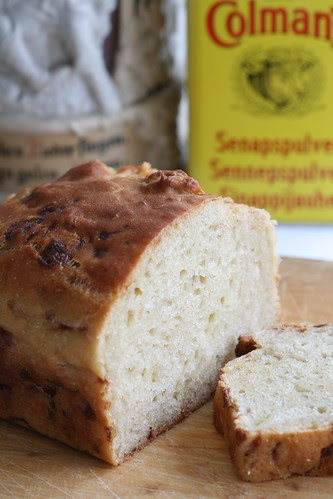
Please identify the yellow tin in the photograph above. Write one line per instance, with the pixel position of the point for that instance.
(261, 103)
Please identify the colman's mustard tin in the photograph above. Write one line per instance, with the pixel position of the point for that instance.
(261, 103)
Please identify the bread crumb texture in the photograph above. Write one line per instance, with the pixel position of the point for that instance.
(275, 403)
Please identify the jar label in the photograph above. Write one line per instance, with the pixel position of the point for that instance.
(27, 159)
(261, 106)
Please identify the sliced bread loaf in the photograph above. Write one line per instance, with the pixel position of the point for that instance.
(121, 294)
(274, 404)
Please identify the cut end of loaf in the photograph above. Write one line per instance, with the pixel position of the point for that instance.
(274, 404)
(207, 275)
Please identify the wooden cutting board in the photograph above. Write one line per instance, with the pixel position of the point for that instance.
(191, 459)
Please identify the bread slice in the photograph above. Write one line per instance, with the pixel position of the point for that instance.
(121, 294)
(274, 404)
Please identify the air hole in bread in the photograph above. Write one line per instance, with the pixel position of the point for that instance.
(130, 318)
(212, 317)
(301, 389)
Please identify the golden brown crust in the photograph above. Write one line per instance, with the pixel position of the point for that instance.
(259, 456)
(65, 404)
(76, 241)
(171, 181)
(92, 224)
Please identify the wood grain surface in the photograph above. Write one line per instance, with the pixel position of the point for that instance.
(189, 460)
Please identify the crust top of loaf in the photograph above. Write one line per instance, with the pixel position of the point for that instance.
(77, 239)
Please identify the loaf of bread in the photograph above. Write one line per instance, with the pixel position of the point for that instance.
(121, 296)
(274, 404)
